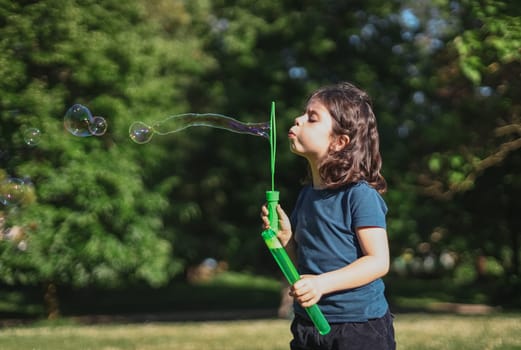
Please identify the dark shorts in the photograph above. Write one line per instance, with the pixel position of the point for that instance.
(375, 334)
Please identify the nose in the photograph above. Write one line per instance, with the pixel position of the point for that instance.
(297, 120)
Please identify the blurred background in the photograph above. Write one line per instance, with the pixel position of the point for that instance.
(101, 224)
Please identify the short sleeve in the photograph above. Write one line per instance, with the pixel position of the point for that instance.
(367, 207)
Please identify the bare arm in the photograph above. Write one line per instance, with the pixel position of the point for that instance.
(372, 265)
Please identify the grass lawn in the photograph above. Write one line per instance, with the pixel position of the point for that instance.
(416, 331)
(419, 323)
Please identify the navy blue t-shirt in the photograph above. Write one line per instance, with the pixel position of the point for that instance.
(324, 223)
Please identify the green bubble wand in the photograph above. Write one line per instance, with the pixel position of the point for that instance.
(272, 242)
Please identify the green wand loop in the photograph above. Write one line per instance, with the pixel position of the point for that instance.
(272, 242)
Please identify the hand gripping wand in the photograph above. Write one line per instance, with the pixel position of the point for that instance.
(272, 242)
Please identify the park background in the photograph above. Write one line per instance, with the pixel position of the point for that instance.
(106, 226)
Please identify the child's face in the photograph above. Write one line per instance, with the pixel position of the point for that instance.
(311, 134)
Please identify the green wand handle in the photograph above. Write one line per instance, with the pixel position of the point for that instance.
(286, 265)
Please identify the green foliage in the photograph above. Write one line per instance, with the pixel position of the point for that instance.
(443, 76)
(97, 219)
(495, 41)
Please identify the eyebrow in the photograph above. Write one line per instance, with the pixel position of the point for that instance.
(312, 111)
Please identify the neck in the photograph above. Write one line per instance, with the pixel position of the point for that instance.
(315, 176)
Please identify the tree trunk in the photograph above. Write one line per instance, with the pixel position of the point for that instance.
(514, 228)
(514, 237)
(51, 301)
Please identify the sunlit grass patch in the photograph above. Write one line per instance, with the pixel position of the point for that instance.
(413, 331)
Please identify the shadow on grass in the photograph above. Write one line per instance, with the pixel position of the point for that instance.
(443, 295)
(232, 296)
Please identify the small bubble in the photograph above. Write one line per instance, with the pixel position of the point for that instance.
(12, 191)
(140, 133)
(32, 136)
(98, 126)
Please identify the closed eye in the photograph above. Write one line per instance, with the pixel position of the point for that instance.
(312, 117)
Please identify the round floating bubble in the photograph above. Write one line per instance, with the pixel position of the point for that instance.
(98, 126)
(32, 136)
(77, 120)
(142, 133)
(12, 191)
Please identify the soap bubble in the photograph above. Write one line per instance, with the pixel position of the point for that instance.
(12, 191)
(79, 121)
(142, 133)
(98, 126)
(32, 136)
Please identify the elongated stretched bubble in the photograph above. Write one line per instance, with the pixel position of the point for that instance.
(142, 133)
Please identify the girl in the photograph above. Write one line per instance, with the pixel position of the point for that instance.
(340, 239)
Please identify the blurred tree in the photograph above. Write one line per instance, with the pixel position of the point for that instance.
(97, 218)
(475, 81)
(282, 51)
(471, 129)
(443, 77)
(430, 67)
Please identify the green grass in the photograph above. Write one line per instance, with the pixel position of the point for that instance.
(413, 331)
(417, 326)
(425, 332)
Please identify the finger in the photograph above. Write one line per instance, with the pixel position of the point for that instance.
(281, 213)
(264, 215)
(301, 291)
(283, 218)
(306, 299)
(300, 284)
(309, 303)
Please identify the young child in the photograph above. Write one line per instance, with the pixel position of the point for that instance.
(337, 230)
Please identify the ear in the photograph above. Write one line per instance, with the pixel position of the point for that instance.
(340, 142)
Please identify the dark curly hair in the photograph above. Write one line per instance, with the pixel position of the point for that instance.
(360, 160)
